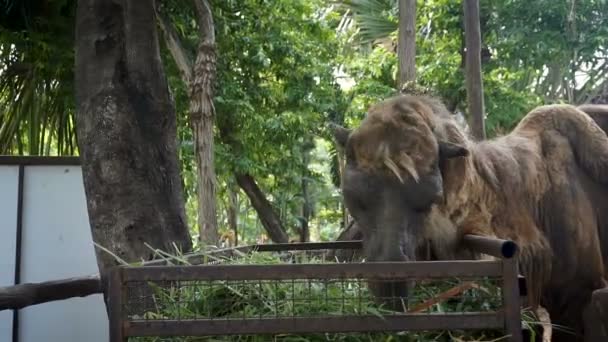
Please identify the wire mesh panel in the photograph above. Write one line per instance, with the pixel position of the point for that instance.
(255, 299)
(294, 296)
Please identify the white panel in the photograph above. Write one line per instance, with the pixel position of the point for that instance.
(9, 178)
(57, 244)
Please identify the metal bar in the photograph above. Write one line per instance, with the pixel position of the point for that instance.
(308, 246)
(198, 258)
(499, 248)
(115, 297)
(511, 300)
(411, 322)
(18, 238)
(375, 270)
(39, 160)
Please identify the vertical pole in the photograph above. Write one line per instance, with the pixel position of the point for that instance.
(18, 243)
(474, 82)
(115, 305)
(511, 298)
(406, 42)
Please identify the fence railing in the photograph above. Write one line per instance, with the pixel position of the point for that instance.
(202, 300)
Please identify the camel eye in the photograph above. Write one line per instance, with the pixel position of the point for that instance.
(356, 205)
(424, 210)
(362, 206)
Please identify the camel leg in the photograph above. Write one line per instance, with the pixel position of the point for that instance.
(595, 316)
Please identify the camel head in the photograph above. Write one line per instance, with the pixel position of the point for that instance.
(392, 177)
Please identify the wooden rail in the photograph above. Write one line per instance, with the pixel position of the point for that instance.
(23, 295)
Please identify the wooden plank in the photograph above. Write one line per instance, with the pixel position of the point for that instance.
(511, 300)
(333, 324)
(39, 160)
(116, 293)
(386, 270)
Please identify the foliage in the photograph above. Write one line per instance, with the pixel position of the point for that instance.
(380, 18)
(534, 53)
(36, 78)
(276, 90)
(286, 68)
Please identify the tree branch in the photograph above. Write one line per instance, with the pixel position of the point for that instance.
(205, 21)
(181, 58)
(269, 218)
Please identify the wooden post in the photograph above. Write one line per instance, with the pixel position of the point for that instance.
(406, 44)
(474, 82)
(115, 305)
(511, 298)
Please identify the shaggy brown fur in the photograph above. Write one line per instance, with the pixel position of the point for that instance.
(544, 185)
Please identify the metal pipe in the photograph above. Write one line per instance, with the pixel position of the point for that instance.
(504, 249)
(308, 246)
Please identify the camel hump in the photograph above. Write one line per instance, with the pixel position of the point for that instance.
(587, 139)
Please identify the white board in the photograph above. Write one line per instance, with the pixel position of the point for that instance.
(56, 243)
(9, 180)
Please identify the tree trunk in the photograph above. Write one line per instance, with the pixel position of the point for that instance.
(341, 166)
(233, 211)
(406, 44)
(306, 205)
(202, 113)
(127, 132)
(266, 213)
(269, 218)
(473, 69)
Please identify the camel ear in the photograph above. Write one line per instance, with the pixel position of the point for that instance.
(340, 134)
(448, 150)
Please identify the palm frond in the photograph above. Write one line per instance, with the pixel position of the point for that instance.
(36, 93)
(375, 19)
(36, 78)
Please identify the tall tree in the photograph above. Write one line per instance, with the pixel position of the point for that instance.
(406, 45)
(474, 82)
(307, 203)
(200, 78)
(204, 144)
(126, 128)
(202, 112)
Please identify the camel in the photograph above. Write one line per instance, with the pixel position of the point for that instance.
(412, 176)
